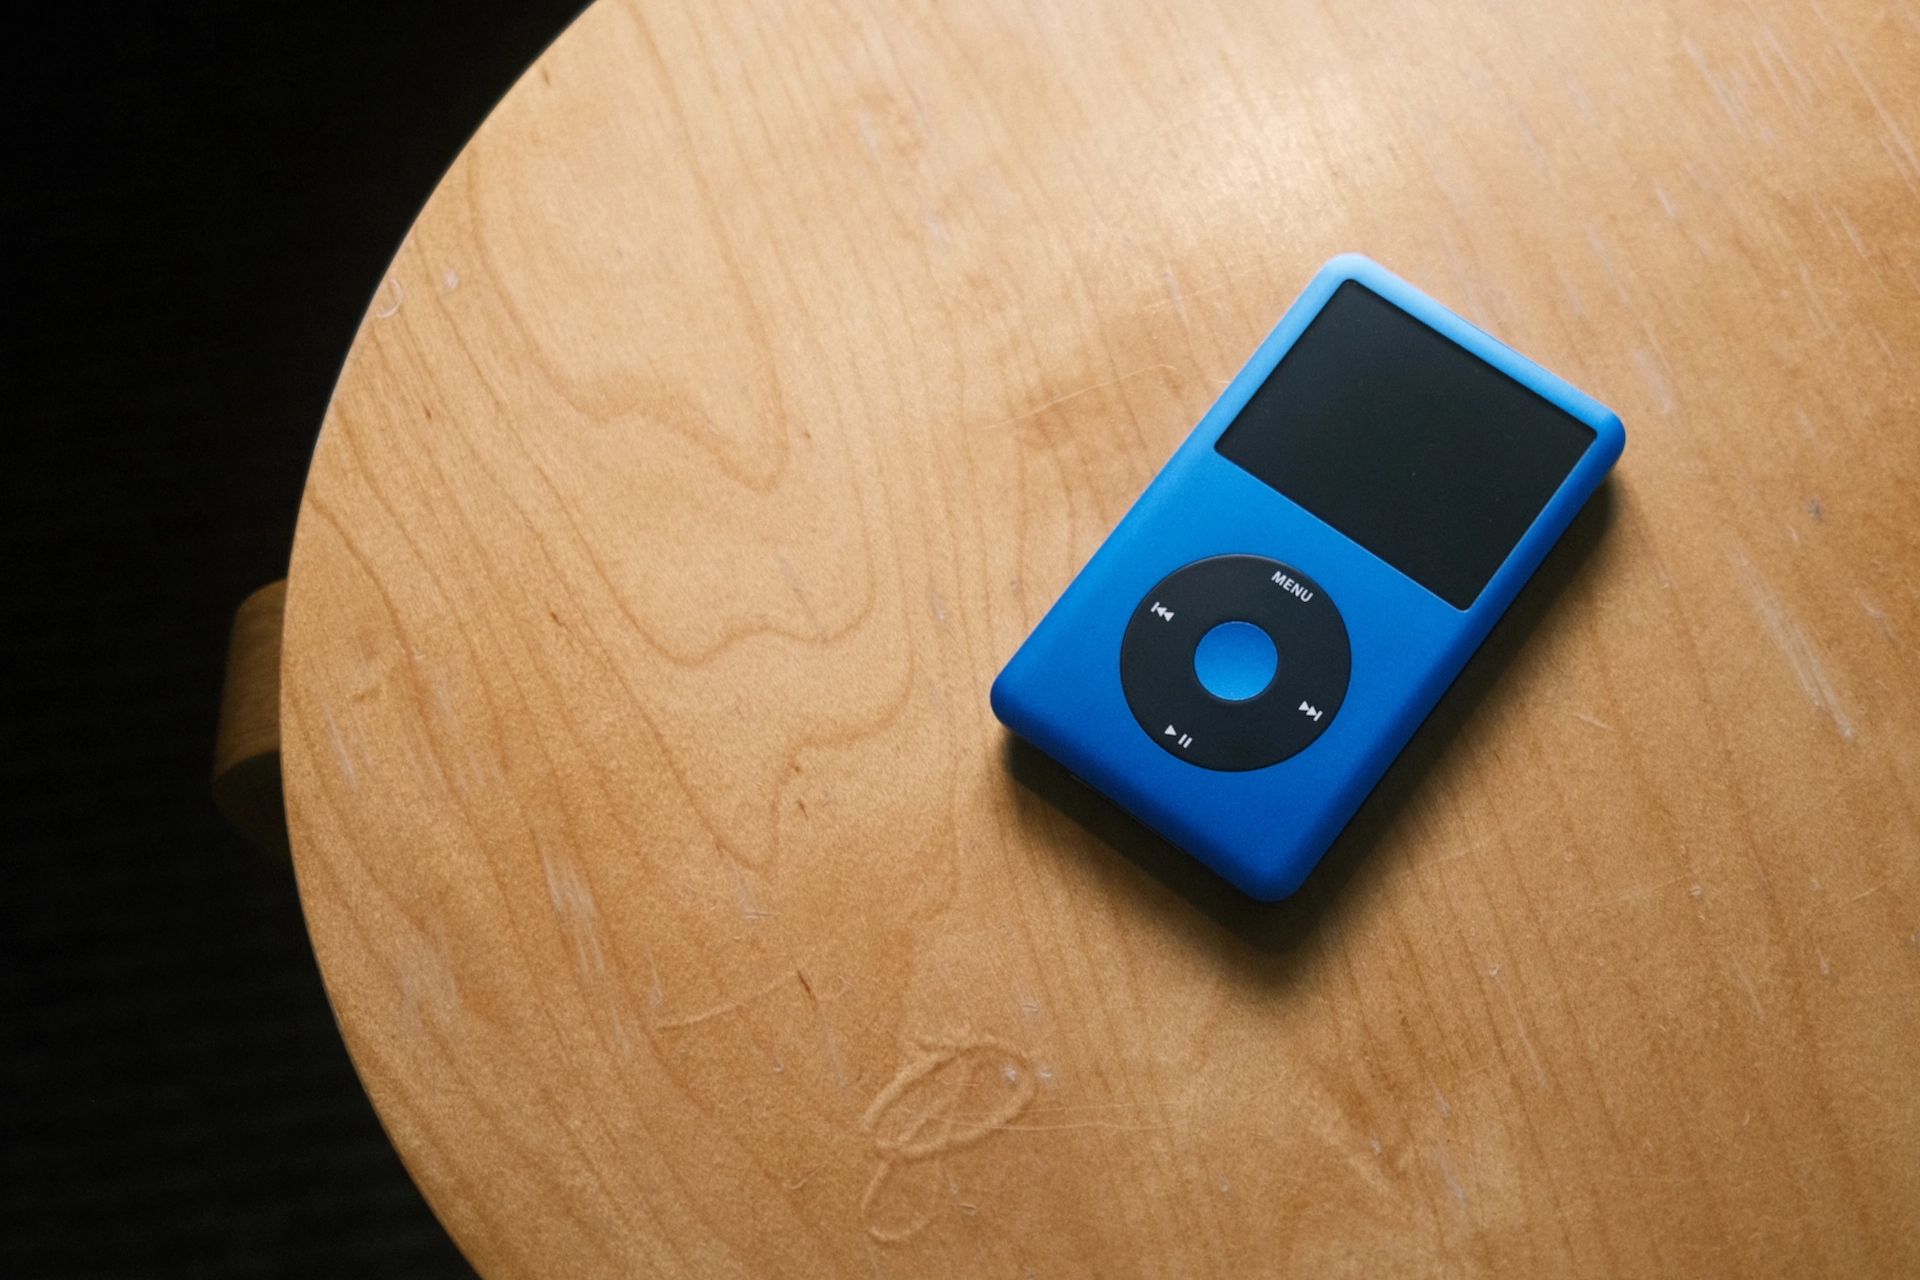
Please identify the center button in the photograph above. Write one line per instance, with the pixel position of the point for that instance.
(1235, 661)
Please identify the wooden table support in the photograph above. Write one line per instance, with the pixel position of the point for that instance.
(759, 375)
(246, 749)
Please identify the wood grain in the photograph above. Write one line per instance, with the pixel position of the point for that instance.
(760, 374)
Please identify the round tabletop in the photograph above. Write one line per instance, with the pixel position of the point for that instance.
(760, 374)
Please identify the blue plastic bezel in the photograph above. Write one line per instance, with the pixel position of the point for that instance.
(1265, 829)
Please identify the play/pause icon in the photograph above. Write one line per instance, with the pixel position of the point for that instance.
(1181, 739)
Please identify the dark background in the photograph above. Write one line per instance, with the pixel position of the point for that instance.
(198, 201)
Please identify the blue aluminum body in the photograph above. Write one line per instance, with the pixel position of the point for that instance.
(1265, 829)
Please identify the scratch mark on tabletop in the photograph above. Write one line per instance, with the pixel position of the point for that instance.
(340, 748)
(799, 590)
(720, 1010)
(573, 905)
(1793, 71)
(1574, 301)
(1713, 83)
(830, 1043)
(953, 1189)
(1867, 894)
(1526, 1041)
(1598, 724)
(427, 985)
(1822, 322)
(1879, 618)
(1846, 225)
(1453, 1183)
(1792, 642)
(1073, 395)
(399, 296)
(947, 1096)
(1648, 367)
(1179, 303)
(1606, 263)
(1542, 163)
(1636, 894)
(1747, 982)
(750, 910)
(1892, 126)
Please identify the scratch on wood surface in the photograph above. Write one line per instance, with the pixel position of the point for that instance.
(1793, 643)
(340, 748)
(1879, 619)
(1648, 367)
(1747, 982)
(1638, 893)
(1179, 303)
(720, 1010)
(1453, 1183)
(831, 1045)
(1037, 1121)
(946, 1097)
(573, 905)
(1822, 323)
(1526, 1041)
(1073, 395)
(428, 989)
(799, 590)
(1800, 84)
(1912, 167)
(1606, 264)
(1713, 83)
(750, 911)
(1846, 225)
(1575, 303)
(399, 296)
(1598, 724)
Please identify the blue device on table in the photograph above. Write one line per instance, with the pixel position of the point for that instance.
(1246, 654)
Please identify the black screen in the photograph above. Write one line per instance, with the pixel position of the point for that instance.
(1424, 454)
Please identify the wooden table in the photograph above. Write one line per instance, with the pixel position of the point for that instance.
(756, 379)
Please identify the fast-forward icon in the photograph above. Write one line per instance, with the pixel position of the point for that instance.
(1162, 610)
(1180, 739)
(1315, 712)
